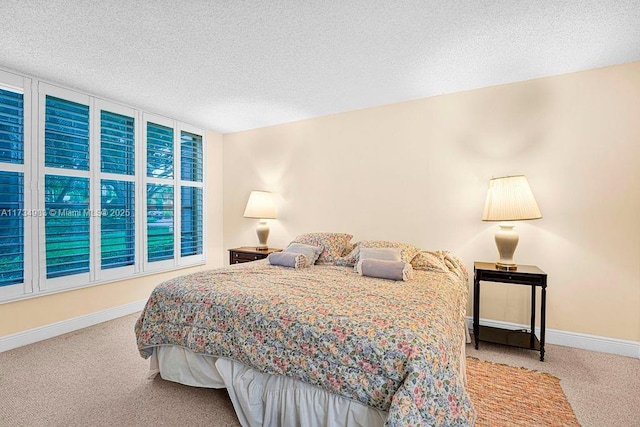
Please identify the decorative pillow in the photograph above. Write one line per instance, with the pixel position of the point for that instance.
(332, 244)
(288, 259)
(407, 252)
(348, 249)
(388, 254)
(384, 269)
(310, 252)
(430, 260)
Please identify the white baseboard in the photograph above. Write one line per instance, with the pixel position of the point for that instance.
(30, 336)
(573, 339)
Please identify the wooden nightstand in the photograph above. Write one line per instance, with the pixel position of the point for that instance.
(248, 254)
(529, 275)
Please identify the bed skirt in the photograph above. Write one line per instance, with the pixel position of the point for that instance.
(261, 399)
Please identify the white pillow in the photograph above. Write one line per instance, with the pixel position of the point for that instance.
(385, 254)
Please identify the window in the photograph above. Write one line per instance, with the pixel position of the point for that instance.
(67, 225)
(66, 140)
(76, 210)
(11, 228)
(160, 191)
(67, 209)
(117, 224)
(174, 210)
(12, 224)
(191, 221)
(160, 230)
(11, 127)
(191, 214)
(159, 151)
(117, 188)
(117, 143)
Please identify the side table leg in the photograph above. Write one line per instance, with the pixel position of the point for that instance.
(543, 317)
(476, 309)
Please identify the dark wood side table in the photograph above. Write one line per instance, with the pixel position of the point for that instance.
(249, 253)
(529, 275)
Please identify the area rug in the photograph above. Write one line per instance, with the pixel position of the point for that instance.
(509, 396)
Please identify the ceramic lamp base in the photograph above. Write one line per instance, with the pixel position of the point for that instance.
(263, 234)
(506, 241)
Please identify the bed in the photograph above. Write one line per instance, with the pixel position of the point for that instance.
(321, 345)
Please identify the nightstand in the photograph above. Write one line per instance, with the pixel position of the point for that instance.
(528, 275)
(249, 253)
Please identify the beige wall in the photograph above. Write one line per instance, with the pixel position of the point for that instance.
(417, 172)
(34, 312)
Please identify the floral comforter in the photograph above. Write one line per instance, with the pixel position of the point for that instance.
(391, 345)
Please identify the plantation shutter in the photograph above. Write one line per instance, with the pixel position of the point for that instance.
(11, 127)
(117, 143)
(117, 198)
(67, 228)
(11, 188)
(11, 228)
(67, 225)
(191, 213)
(160, 232)
(190, 157)
(159, 151)
(117, 223)
(191, 221)
(66, 134)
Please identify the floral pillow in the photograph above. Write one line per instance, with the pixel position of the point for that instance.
(440, 261)
(407, 252)
(430, 260)
(333, 244)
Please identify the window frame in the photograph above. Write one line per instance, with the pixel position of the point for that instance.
(20, 84)
(162, 121)
(68, 281)
(95, 161)
(199, 184)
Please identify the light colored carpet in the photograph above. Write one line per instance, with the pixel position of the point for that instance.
(94, 377)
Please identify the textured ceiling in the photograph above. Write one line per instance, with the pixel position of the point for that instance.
(235, 65)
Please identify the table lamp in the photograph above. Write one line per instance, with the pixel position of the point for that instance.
(509, 198)
(260, 205)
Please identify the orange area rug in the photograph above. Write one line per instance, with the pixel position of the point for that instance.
(509, 396)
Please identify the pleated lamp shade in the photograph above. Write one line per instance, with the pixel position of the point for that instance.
(260, 205)
(510, 199)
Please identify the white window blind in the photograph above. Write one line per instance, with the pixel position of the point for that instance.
(160, 226)
(159, 151)
(117, 223)
(191, 221)
(11, 188)
(191, 212)
(67, 225)
(190, 157)
(11, 127)
(66, 134)
(117, 196)
(67, 209)
(11, 228)
(117, 143)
